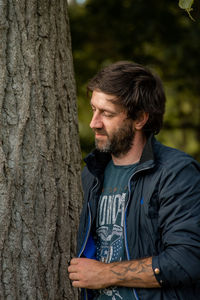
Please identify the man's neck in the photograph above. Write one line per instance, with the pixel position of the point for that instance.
(134, 154)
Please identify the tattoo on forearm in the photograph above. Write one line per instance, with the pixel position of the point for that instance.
(131, 269)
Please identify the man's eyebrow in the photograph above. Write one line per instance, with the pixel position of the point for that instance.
(106, 109)
(117, 109)
(113, 100)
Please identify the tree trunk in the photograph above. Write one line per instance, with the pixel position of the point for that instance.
(40, 194)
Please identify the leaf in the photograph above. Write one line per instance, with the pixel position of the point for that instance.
(186, 4)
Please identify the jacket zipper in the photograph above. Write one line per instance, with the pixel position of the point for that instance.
(125, 233)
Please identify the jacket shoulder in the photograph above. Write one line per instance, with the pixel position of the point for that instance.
(168, 157)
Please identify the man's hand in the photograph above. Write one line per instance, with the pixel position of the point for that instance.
(88, 273)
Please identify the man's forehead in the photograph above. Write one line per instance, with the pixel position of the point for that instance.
(100, 94)
(105, 100)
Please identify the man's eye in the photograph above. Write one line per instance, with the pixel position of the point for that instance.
(107, 114)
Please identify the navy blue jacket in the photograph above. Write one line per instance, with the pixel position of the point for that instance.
(162, 218)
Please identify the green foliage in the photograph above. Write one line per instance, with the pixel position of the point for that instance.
(187, 5)
(151, 33)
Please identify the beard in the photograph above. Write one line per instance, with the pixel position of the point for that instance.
(119, 142)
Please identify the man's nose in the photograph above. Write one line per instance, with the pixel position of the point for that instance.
(96, 121)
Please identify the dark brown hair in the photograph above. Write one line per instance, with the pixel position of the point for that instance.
(136, 88)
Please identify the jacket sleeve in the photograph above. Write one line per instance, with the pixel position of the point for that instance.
(179, 223)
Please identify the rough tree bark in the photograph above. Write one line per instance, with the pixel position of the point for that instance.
(40, 194)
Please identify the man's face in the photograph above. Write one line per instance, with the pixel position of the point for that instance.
(114, 132)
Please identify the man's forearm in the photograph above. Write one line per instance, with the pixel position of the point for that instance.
(92, 274)
(133, 273)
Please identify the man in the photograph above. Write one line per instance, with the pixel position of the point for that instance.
(139, 235)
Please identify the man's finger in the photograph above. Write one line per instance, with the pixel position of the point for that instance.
(73, 276)
(77, 284)
(74, 261)
(72, 269)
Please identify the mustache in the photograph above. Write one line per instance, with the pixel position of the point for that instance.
(100, 131)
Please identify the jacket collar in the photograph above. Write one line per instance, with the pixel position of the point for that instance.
(148, 153)
(96, 161)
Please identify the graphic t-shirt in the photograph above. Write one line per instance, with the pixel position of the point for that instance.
(110, 225)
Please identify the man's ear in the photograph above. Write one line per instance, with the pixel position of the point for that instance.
(141, 120)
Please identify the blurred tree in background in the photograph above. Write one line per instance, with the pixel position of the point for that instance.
(155, 33)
